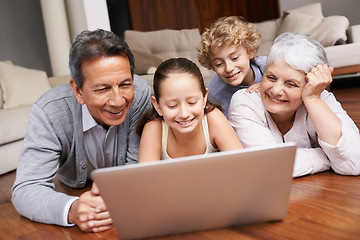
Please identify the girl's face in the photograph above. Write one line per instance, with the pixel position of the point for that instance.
(181, 102)
(281, 89)
(232, 64)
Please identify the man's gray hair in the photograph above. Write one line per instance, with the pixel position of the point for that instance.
(98, 43)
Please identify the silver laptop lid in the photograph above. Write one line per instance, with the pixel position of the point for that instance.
(199, 192)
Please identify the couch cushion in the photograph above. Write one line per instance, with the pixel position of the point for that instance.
(59, 80)
(21, 86)
(354, 34)
(165, 44)
(163, 40)
(1, 99)
(145, 61)
(1, 92)
(326, 30)
(13, 123)
(343, 55)
(268, 31)
(313, 9)
(9, 156)
(193, 56)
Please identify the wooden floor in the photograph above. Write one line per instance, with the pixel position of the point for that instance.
(349, 98)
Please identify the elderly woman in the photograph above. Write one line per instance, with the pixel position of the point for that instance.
(293, 106)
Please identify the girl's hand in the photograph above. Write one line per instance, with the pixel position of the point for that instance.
(317, 80)
(253, 88)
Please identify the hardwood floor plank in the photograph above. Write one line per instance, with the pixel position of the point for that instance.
(350, 101)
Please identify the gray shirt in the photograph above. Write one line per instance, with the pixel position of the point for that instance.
(54, 145)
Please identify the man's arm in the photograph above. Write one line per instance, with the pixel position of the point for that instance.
(33, 192)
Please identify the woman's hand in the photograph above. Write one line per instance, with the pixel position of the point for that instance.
(326, 123)
(317, 80)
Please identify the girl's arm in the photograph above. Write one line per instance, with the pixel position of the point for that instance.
(325, 121)
(221, 132)
(150, 142)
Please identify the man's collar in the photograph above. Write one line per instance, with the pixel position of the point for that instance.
(88, 121)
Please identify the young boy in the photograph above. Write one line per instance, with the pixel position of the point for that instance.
(229, 47)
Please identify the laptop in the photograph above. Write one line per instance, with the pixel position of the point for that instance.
(198, 193)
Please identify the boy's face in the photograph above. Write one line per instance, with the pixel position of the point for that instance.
(232, 64)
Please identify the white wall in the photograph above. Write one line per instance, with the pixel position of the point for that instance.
(22, 37)
(347, 8)
(87, 15)
(57, 35)
(63, 19)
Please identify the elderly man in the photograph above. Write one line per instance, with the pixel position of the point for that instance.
(78, 127)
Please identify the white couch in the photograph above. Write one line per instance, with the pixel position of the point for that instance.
(341, 41)
(152, 48)
(19, 89)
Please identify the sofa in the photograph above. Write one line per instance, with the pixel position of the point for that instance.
(341, 41)
(19, 89)
(152, 48)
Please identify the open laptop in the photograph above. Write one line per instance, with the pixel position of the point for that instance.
(198, 193)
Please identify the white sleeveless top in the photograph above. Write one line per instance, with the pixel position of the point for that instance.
(165, 133)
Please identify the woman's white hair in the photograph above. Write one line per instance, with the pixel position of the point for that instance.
(300, 51)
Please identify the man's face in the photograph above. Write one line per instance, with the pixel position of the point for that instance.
(108, 89)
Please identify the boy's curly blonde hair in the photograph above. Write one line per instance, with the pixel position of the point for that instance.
(231, 30)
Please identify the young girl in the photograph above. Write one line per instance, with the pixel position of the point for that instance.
(182, 121)
(229, 47)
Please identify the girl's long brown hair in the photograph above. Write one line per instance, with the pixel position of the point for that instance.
(172, 65)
